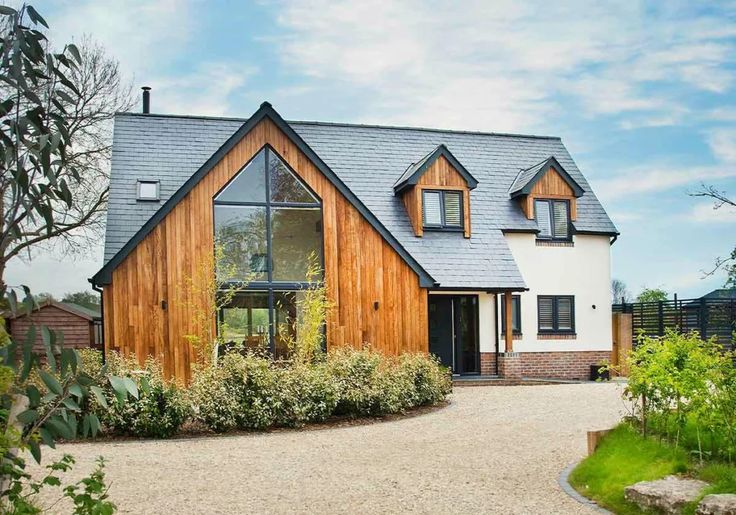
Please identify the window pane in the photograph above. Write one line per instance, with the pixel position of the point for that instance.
(432, 211)
(545, 314)
(147, 190)
(453, 211)
(245, 321)
(287, 318)
(250, 183)
(284, 186)
(516, 313)
(561, 220)
(296, 236)
(564, 313)
(240, 238)
(542, 214)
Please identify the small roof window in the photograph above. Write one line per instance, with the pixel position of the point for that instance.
(147, 190)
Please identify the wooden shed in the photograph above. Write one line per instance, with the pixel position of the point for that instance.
(81, 326)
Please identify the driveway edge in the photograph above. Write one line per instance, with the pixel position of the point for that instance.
(564, 483)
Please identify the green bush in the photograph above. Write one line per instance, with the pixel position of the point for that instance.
(684, 388)
(308, 393)
(432, 382)
(159, 411)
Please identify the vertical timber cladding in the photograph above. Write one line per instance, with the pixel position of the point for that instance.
(440, 175)
(361, 269)
(551, 185)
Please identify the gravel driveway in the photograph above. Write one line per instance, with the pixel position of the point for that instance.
(492, 450)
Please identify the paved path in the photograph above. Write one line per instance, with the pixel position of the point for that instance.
(492, 450)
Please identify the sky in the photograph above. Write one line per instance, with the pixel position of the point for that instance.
(643, 95)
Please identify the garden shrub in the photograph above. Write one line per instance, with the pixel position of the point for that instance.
(432, 382)
(308, 393)
(159, 411)
(684, 388)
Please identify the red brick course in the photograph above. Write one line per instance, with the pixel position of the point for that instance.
(549, 365)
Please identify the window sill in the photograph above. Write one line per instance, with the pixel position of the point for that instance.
(554, 243)
(557, 336)
(444, 229)
(515, 336)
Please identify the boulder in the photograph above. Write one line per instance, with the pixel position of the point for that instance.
(666, 495)
(717, 504)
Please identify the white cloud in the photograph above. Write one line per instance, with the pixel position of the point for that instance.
(706, 213)
(502, 65)
(722, 143)
(643, 179)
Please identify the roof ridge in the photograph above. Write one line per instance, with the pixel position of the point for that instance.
(346, 124)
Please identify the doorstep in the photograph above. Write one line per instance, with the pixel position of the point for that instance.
(493, 380)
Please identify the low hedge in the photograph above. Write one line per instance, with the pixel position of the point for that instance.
(252, 392)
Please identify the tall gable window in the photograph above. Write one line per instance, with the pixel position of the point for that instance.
(268, 238)
(442, 209)
(553, 219)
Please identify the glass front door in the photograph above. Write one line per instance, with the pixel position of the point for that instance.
(453, 332)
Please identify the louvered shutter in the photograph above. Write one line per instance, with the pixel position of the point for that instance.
(453, 209)
(432, 210)
(546, 314)
(562, 223)
(564, 314)
(542, 214)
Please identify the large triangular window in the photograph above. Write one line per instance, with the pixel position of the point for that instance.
(268, 238)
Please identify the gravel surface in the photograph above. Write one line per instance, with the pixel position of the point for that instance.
(492, 450)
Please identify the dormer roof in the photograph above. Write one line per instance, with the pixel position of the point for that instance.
(415, 171)
(527, 178)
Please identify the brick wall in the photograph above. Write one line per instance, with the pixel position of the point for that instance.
(488, 363)
(562, 365)
(550, 365)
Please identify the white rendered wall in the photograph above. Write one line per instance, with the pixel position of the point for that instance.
(584, 271)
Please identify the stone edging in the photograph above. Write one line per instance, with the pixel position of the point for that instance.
(564, 483)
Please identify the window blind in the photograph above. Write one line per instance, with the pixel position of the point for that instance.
(432, 212)
(546, 313)
(453, 210)
(542, 214)
(561, 219)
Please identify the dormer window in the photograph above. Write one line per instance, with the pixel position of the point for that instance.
(553, 219)
(147, 190)
(442, 210)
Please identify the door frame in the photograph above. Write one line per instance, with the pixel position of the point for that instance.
(455, 321)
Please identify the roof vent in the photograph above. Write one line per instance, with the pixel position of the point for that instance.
(146, 99)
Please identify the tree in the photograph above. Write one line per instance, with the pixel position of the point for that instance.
(55, 112)
(84, 298)
(44, 296)
(652, 295)
(619, 291)
(727, 264)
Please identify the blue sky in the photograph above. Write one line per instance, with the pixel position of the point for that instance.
(642, 93)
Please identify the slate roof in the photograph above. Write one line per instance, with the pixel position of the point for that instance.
(527, 178)
(368, 159)
(415, 171)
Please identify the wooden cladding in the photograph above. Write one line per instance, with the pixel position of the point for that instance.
(440, 176)
(553, 186)
(157, 301)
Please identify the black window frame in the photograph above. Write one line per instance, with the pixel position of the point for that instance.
(515, 313)
(555, 316)
(551, 203)
(443, 226)
(271, 286)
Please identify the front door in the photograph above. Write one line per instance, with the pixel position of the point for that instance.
(453, 332)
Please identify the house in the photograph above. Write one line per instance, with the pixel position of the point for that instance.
(489, 250)
(80, 327)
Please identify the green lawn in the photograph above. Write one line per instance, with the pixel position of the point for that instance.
(624, 457)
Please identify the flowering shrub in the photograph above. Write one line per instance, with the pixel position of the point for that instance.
(159, 411)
